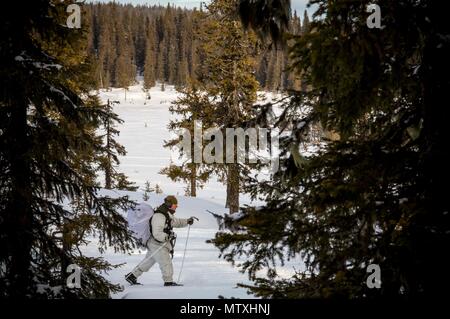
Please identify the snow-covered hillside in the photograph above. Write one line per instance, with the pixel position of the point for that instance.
(143, 133)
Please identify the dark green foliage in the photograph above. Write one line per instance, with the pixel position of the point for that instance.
(374, 194)
(160, 43)
(221, 97)
(147, 190)
(227, 77)
(150, 57)
(109, 150)
(266, 16)
(47, 118)
(192, 105)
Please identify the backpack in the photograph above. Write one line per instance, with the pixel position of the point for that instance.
(138, 222)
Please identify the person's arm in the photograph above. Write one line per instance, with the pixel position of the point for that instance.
(158, 224)
(179, 222)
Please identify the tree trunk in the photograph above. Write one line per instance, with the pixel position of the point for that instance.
(65, 249)
(227, 201)
(233, 182)
(101, 79)
(108, 180)
(194, 180)
(19, 219)
(232, 201)
(108, 167)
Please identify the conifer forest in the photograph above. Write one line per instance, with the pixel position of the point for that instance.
(296, 149)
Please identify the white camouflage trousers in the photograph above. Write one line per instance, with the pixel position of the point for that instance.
(162, 257)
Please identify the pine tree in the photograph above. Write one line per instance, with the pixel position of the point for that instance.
(139, 32)
(150, 57)
(109, 152)
(120, 37)
(112, 148)
(272, 17)
(191, 105)
(147, 190)
(274, 73)
(158, 189)
(161, 56)
(46, 126)
(374, 195)
(103, 46)
(123, 183)
(125, 68)
(228, 77)
(306, 24)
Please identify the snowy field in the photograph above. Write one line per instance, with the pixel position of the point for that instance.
(143, 134)
(204, 275)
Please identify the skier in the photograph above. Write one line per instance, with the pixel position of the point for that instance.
(161, 243)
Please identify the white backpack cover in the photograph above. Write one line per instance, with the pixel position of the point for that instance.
(138, 222)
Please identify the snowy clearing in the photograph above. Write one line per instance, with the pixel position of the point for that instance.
(205, 275)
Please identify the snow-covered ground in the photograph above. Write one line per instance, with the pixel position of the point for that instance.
(205, 275)
(143, 134)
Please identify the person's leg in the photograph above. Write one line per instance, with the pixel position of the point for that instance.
(145, 264)
(164, 259)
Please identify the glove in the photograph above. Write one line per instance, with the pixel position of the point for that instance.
(190, 220)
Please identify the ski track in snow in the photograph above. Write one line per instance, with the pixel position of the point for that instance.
(204, 275)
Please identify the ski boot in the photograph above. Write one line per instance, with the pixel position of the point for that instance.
(172, 284)
(132, 279)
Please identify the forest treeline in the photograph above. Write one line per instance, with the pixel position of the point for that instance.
(161, 44)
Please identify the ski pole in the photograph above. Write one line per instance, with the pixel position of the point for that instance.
(184, 254)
